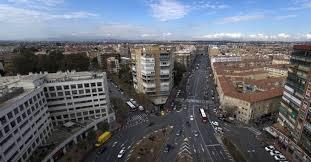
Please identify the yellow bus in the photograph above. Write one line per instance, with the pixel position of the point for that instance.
(103, 138)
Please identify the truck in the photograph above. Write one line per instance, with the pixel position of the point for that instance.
(103, 138)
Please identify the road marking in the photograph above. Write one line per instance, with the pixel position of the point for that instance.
(217, 144)
(202, 147)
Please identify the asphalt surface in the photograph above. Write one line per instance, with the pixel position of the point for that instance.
(196, 94)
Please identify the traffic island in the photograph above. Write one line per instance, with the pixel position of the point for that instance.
(150, 146)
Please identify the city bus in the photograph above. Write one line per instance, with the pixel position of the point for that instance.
(203, 115)
(131, 105)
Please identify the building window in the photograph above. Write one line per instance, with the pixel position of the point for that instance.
(51, 89)
(66, 87)
(99, 83)
(93, 84)
(15, 111)
(58, 88)
(10, 115)
(86, 85)
(3, 120)
(73, 86)
(79, 85)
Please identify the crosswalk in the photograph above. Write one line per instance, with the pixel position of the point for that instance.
(136, 120)
(193, 101)
(254, 130)
(227, 152)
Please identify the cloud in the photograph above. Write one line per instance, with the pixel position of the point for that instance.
(165, 10)
(299, 5)
(255, 37)
(240, 18)
(285, 17)
(38, 2)
(10, 14)
(208, 5)
(221, 36)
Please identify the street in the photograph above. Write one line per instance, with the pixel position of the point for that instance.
(205, 142)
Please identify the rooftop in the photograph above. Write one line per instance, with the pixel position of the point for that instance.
(229, 90)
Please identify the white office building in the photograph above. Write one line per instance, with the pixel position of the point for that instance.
(33, 106)
(24, 122)
(77, 96)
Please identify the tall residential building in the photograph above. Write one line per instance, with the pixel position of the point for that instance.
(113, 65)
(294, 121)
(152, 69)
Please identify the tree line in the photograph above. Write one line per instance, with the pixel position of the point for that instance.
(26, 61)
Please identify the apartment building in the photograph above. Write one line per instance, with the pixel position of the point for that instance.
(294, 120)
(105, 54)
(113, 65)
(24, 122)
(184, 57)
(152, 69)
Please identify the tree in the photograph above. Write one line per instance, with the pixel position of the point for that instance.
(91, 136)
(179, 70)
(78, 62)
(121, 109)
(125, 74)
(25, 62)
(54, 61)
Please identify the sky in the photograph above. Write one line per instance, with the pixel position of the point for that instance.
(272, 20)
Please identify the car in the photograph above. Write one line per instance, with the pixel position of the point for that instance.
(214, 110)
(191, 117)
(274, 152)
(196, 133)
(269, 148)
(121, 153)
(279, 157)
(188, 123)
(178, 133)
(101, 150)
(215, 123)
(114, 144)
(167, 148)
(218, 129)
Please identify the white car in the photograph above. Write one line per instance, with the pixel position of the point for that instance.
(191, 117)
(120, 154)
(215, 123)
(218, 129)
(274, 152)
(279, 157)
(269, 148)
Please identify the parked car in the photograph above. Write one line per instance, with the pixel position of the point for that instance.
(269, 148)
(215, 123)
(279, 157)
(274, 152)
(121, 153)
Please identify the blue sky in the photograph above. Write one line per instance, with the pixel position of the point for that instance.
(156, 19)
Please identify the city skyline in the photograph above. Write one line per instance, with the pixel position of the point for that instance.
(156, 20)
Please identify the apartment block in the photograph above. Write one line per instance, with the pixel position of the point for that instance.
(294, 121)
(152, 69)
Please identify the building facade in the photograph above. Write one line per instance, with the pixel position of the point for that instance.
(35, 107)
(24, 123)
(113, 65)
(152, 69)
(295, 109)
(76, 96)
